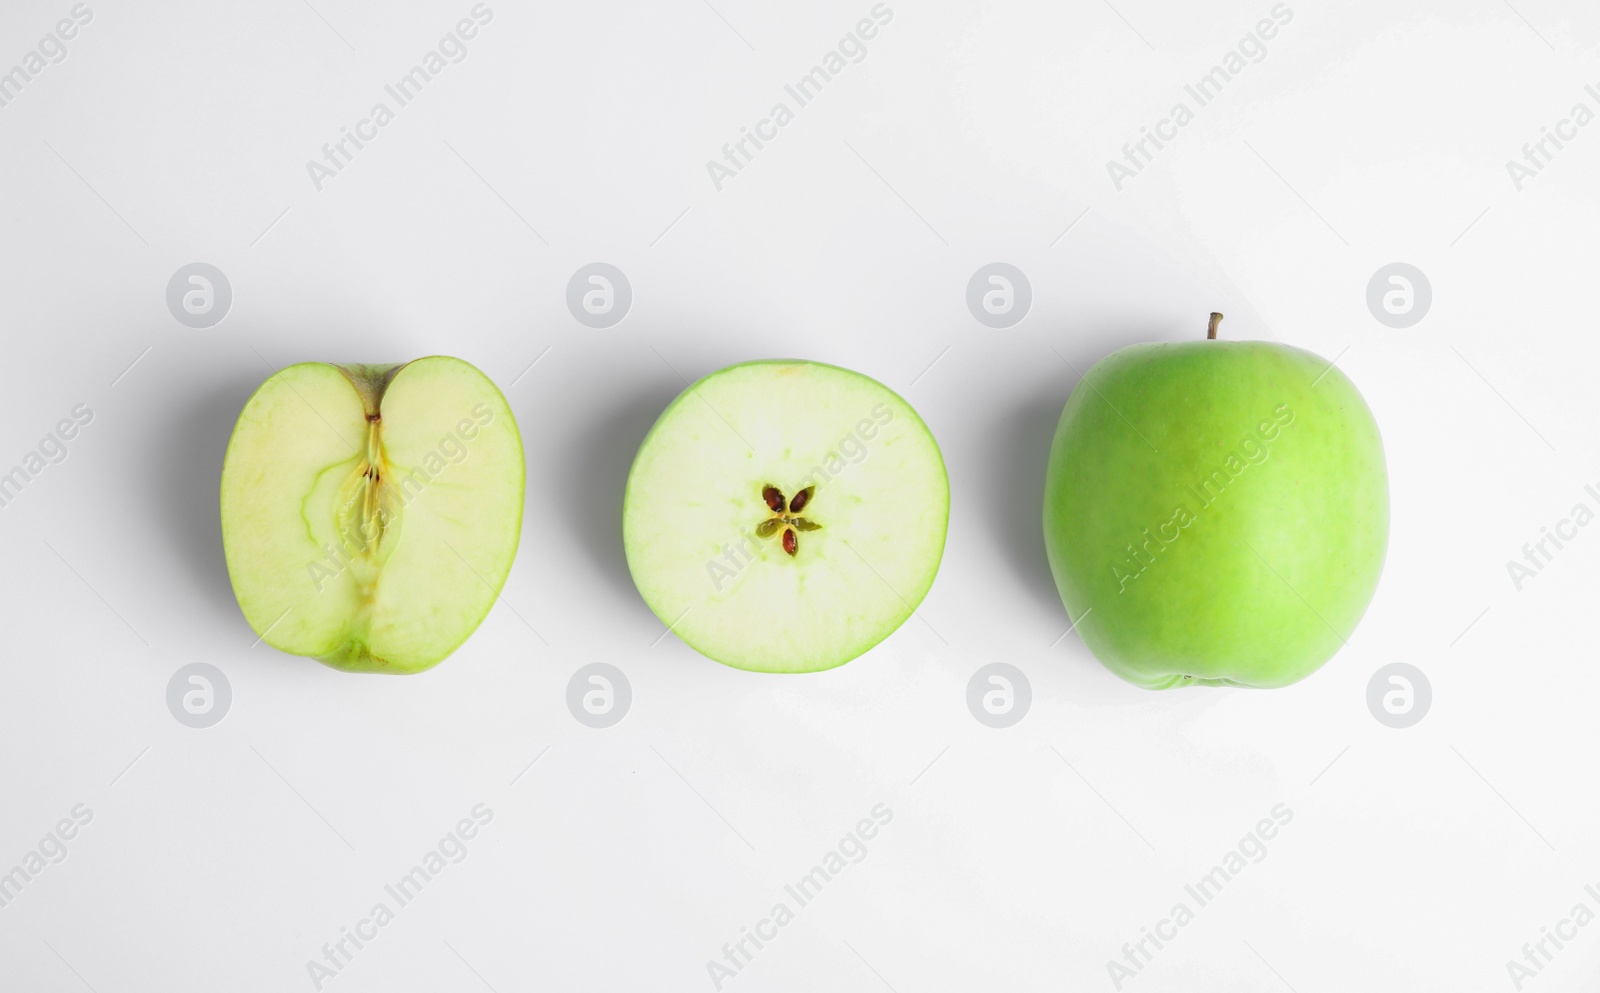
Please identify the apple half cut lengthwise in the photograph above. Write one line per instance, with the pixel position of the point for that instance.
(371, 513)
(785, 516)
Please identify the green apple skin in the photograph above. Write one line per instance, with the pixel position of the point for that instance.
(1216, 513)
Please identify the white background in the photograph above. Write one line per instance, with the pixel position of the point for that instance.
(1017, 859)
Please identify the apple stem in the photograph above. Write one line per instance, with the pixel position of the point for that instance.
(1211, 329)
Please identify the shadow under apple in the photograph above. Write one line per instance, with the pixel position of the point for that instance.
(187, 459)
(591, 485)
(1015, 478)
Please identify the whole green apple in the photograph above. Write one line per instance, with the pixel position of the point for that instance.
(1216, 512)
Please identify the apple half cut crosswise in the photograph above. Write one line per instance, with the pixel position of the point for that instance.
(371, 513)
(786, 516)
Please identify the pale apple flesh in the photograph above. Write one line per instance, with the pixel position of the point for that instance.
(370, 514)
(786, 516)
(1216, 513)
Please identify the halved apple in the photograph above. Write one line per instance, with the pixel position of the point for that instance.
(786, 516)
(371, 513)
